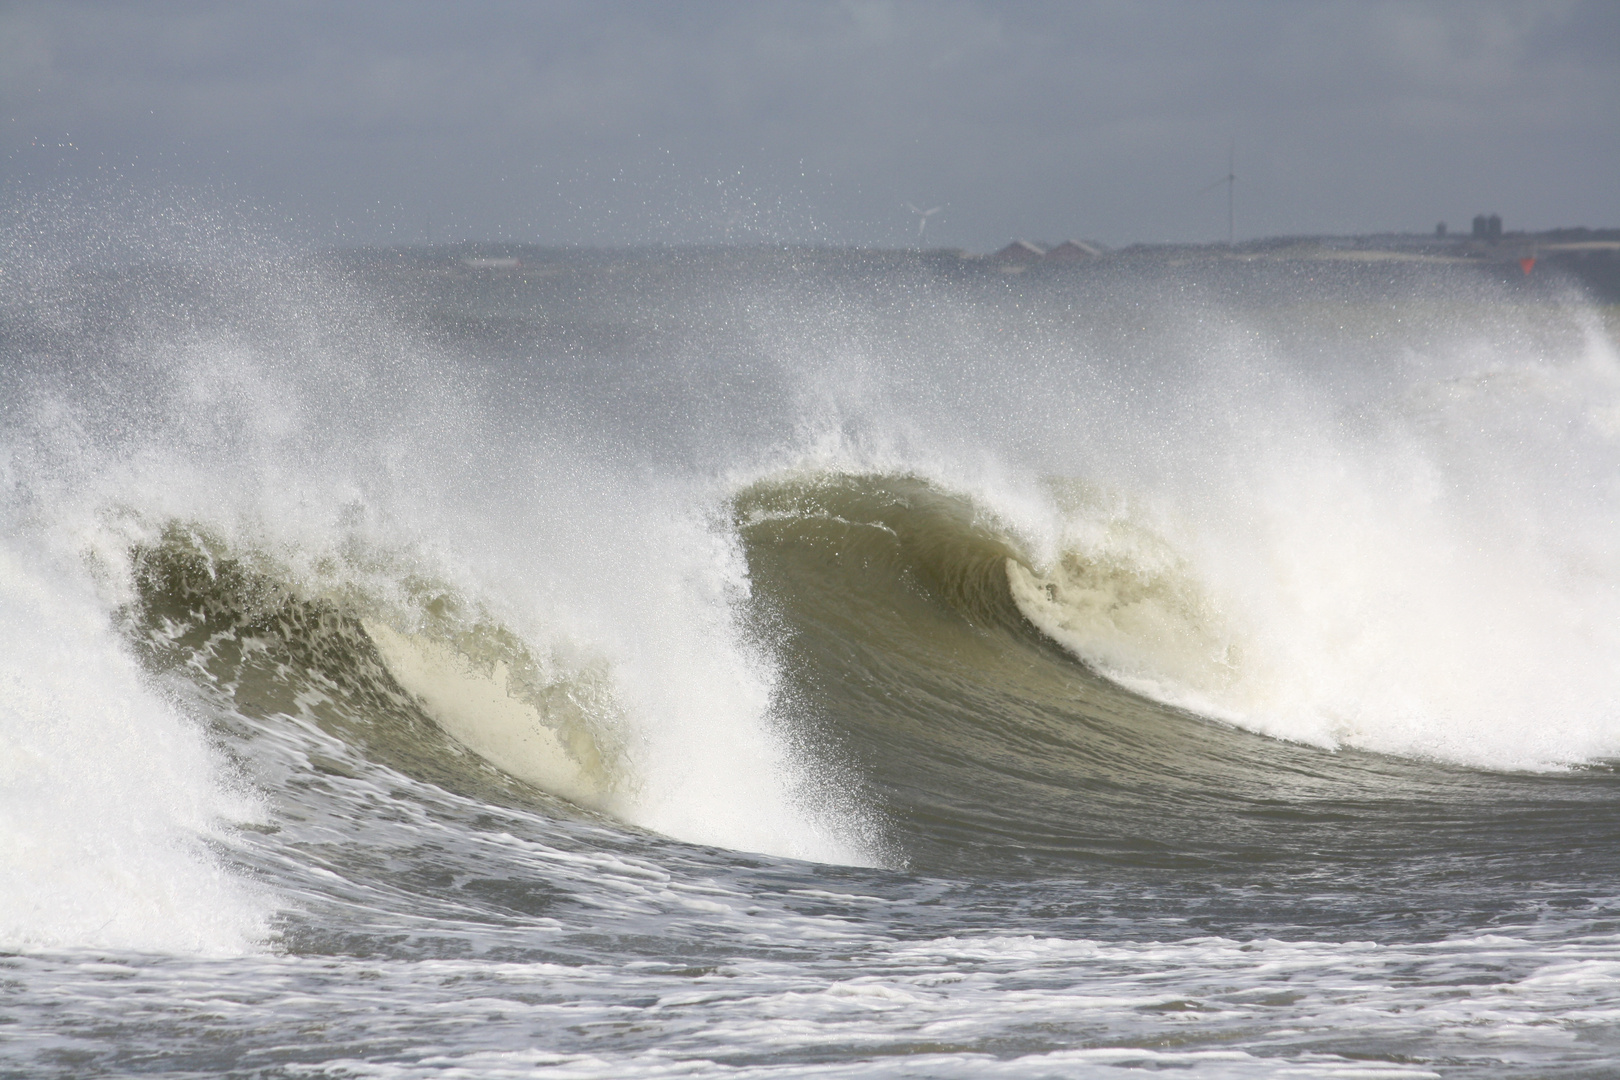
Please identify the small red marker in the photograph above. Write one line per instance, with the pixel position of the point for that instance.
(1527, 264)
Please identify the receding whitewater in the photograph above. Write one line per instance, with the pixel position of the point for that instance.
(754, 663)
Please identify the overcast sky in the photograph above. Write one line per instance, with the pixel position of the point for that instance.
(628, 123)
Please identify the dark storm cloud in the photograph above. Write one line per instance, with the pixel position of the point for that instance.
(626, 123)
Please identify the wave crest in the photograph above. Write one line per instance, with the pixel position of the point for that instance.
(238, 623)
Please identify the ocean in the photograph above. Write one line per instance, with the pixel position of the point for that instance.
(470, 662)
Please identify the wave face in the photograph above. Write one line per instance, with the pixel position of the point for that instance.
(950, 665)
(792, 662)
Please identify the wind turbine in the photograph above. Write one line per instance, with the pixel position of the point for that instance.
(922, 219)
(1230, 180)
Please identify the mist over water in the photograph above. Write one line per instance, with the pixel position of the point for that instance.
(802, 661)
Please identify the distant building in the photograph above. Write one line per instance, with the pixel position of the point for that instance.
(1019, 252)
(1072, 251)
(1488, 228)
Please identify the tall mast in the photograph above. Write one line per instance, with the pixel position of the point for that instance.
(1231, 185)
(1230, 180)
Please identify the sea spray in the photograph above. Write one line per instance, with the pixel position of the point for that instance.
(1383, 522)
(348, 456)
(115, 812)
(745, 518)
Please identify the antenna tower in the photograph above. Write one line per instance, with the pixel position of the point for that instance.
(1231, 188)
(1230, 180)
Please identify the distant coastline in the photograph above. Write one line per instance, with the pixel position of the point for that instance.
(1588, 256)
(1507, 246)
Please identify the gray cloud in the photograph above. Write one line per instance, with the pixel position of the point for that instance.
(650, 122)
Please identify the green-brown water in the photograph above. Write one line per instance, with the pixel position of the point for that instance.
(806, 663)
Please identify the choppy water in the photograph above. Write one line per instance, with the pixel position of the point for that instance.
(760, 663)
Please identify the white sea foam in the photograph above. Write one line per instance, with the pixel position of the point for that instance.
(1438, 578)
(355, 464)
(996, 1004)
(1385, 525)
(1425, 568)
(108, 798)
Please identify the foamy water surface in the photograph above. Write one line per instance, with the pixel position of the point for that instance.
(804, 663)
